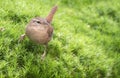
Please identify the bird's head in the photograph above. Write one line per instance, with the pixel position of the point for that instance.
(38, 21)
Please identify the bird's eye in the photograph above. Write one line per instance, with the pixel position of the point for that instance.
(38, 22)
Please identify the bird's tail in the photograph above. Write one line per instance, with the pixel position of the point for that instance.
(51, 14)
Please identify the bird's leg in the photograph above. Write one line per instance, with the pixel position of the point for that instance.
(44, 54)
(2, 29)
(21, 37)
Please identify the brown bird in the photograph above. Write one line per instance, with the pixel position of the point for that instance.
(40, 30)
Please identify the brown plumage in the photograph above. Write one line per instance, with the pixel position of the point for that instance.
(39, 30)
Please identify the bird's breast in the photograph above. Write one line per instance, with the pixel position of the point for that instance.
(38, 34)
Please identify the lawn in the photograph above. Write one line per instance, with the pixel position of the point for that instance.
(85, 43)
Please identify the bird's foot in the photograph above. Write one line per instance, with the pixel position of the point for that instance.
(43, 55)
(21, 37)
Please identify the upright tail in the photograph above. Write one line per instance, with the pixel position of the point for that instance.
(51, 14)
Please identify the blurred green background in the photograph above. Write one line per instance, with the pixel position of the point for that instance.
(85, 44)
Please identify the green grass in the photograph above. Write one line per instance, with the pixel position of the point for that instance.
(85, 44)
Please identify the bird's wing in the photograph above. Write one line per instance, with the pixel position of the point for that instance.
(50, 31)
